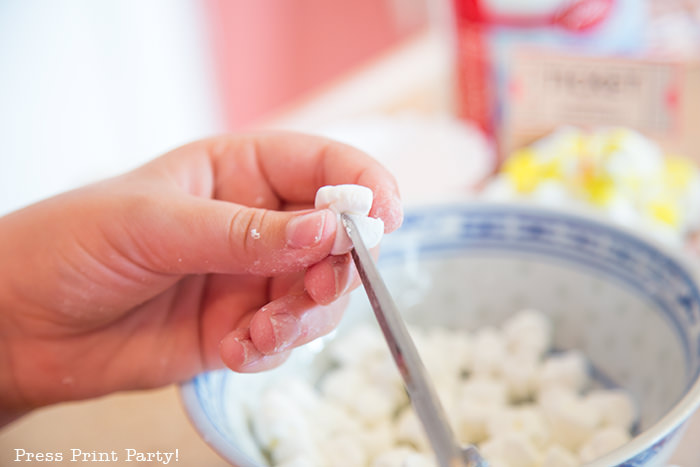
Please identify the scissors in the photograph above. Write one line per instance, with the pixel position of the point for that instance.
(419, 387)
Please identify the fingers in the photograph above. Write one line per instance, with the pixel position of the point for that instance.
(330, 278)
(277, 328)
(195, 235)
(316, 162)
(254, 179)
(333, 277)
(240, 354)
(291, 321)
(275, 169)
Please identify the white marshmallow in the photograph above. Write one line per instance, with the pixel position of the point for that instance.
(513, 449)
(356, 201)
(558, 456)
(489, 352)
(477, 400)
(331, 417)
(526, 420)
(520, 373)
(342, 384)
(446, 354)
(409, 430)
(378, 438)
(384, 376)
(304, 395)
(371, 230)
(602, 442)
(360, 345)
(485, 391)
(568, 369)
(370, 404)
(299, 461)
(350, 387)
(350, 199)
(343, 450)
(528, 331)
(278, 417)
(615, 406)
(405, 457)
(571, 420)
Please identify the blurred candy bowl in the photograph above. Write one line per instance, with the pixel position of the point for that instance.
(629, 304)
(616, 171)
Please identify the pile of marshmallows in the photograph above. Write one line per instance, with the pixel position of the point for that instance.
(503, 389)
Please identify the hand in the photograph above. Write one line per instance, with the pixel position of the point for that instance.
(208, 255)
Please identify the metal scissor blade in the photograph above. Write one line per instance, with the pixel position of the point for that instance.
(419, 387)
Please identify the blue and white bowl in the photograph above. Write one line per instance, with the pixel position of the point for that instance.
(631, 305)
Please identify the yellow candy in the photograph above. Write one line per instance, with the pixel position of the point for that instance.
(665, 212)
(521, 168)
(678, 173)
(581, 163)
(598, 188)
(525, 171)
(615, 140)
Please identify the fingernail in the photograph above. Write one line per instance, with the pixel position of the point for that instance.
(340, 273)
(390, 210)
(306, 230)
(286, 328)
(241, 350)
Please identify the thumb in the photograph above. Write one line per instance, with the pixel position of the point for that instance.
(198, 235)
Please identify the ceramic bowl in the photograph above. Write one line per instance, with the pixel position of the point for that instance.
(631, 305)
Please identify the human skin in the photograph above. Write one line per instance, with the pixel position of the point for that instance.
(209, 255)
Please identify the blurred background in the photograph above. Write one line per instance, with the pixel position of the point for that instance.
(89, 89)
(460, 98)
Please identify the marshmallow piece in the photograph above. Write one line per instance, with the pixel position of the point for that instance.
(403, 456)
(350, 199)
(350, 387)
(356, 201)
(409, 430)
(477, 400)
(615, 406)
(360, 345)
(568, 369)
(371, 230)
(370, 404)
(520, 373)
(330, 418)
(383, 374)
(512, 449)
(602, 442)
(378, 438)
(299, 461)
(278, 417)
(497, 462)
(571, 420)
(484, 391)
(558, 456)
(489, 352)
(341, 385)
(528, 331)
(295, 447)
(302, 393)
(525, 420)
(343, 450)
(447, 354)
